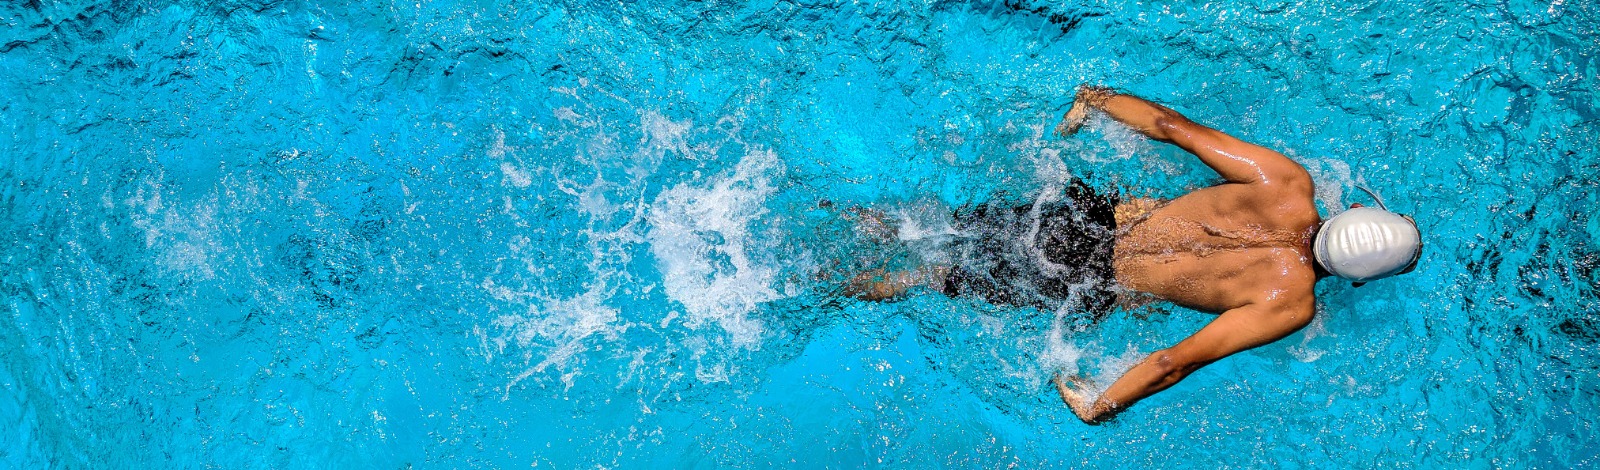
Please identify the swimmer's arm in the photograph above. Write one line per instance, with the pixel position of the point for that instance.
(1234, 331)
(1236, 160)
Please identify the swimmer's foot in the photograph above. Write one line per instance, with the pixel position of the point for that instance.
(880, 285)
(873, 223)
(873, 286)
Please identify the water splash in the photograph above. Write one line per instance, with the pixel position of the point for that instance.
(1125, 141)
(704, 239)
(1330, 177)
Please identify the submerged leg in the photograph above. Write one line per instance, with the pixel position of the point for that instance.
(879, 285)
(882, 232)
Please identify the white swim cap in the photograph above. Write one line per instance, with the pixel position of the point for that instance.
(1364, 243)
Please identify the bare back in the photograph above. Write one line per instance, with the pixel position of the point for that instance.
(1241, 249)
(1221, 248)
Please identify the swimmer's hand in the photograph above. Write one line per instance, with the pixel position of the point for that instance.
(1075, 396)
(1089, 96)
(1073, 120)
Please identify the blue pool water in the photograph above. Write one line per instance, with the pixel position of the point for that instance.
(272, 233)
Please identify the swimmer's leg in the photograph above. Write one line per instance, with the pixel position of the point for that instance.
(879, 285)
(873, 223)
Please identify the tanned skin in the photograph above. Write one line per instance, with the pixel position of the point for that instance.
(1240, 249)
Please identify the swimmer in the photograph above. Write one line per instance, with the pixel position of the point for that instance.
(1249, 250)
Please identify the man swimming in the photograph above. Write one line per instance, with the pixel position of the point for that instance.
(1249, 250)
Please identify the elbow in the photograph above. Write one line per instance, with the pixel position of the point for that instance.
(1169, 123)
(1172, 368)
(1296, 179)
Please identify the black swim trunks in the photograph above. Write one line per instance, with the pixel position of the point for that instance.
(1016, 255)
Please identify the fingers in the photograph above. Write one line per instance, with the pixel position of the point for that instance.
(1094, 95)
(1088, 96)
(1074, 392)
(1069, 392)
(1078, 386)
(1073, 120)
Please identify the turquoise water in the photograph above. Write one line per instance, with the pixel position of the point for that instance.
(589, 234)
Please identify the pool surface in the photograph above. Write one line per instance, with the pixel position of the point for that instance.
(483, 234)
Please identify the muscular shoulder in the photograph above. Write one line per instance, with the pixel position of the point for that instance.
(1285, 195)
(1277, 172)
(1289, 178)
(1290, 289)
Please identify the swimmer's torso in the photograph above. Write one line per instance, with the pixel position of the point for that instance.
(1218, 248)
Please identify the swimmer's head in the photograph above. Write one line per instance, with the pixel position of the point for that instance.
(1365, 244)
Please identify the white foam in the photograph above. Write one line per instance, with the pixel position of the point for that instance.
(700, 233)
(1329, 177)
(917, 224)
(512, 173)
(1124, 140)
(184, 237)
(1049, 168)
(499, 149)
(566, 113)
(1112, 368)
(592, 199)
(556, 330)
(663, 134)
(1059, 355)
(924, 231)
(559, 326)
(703, 244)
(516, 176)
(1305, 352)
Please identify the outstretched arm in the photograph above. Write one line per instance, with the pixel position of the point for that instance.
(1236, 160)
(1233, 331)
